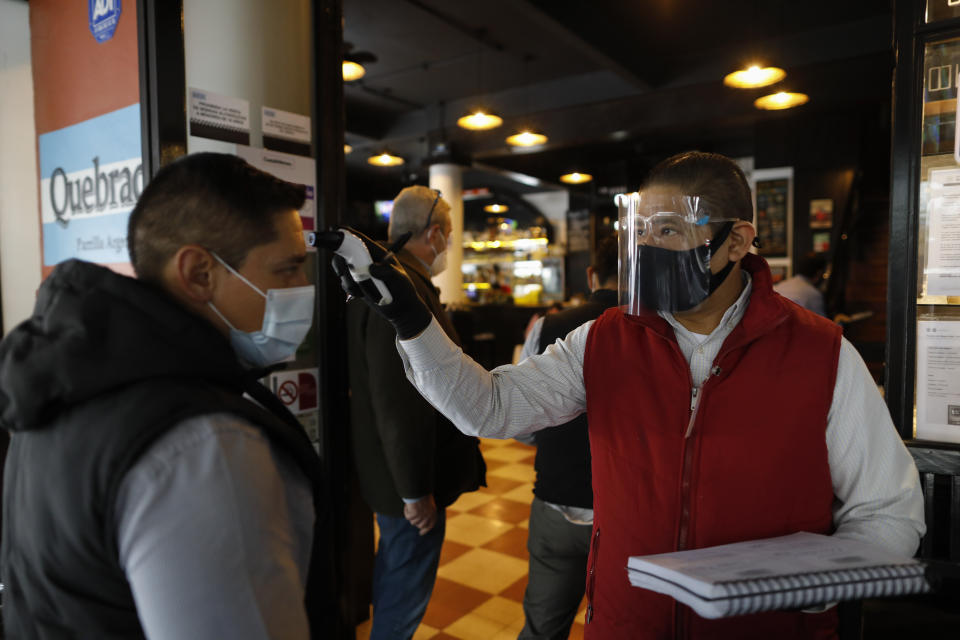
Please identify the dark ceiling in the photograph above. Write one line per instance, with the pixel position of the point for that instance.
(615, 84)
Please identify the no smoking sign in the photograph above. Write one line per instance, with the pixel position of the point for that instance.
(296, 389)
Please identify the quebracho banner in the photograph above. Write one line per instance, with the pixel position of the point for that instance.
(91, 174)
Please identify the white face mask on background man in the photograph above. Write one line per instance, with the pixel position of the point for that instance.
(439, 263)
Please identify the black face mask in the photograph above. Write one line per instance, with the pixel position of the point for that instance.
(675, 280)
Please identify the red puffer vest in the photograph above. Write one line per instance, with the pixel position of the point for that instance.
(753, 466)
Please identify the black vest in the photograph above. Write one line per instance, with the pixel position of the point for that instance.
(59, 553)
(563, 452)
(104, 367)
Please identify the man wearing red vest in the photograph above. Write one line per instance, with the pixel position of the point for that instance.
(718, 410)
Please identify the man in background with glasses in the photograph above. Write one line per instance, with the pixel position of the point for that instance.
(412, 462)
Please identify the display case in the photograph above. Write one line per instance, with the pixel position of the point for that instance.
(510, 265)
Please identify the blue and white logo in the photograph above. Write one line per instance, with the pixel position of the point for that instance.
(104, 16)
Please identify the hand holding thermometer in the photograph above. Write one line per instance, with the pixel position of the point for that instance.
(356, 254)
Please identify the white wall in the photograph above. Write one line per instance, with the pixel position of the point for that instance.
(554, 206)
(19, 209)
(250, 49)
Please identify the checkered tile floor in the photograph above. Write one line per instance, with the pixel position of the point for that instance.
(483, 567)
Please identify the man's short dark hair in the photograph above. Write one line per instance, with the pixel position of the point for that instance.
(214, 200)
(811, 264)
(607, 258)
(715, 178)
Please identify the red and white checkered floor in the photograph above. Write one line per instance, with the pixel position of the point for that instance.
(483, 567)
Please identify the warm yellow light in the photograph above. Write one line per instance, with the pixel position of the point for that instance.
(526, 139)
(754, 77)
(576, 178)
(524, 244)
(347, 148)
(352, 71)
(480, 121)
(496, 208)
(781, 100)
(385, 160)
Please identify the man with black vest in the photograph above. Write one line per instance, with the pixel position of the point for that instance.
(153, 487)
(561, 515)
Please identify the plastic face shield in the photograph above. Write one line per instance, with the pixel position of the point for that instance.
(666, 242)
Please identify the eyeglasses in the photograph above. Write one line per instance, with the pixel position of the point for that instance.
(432, 207)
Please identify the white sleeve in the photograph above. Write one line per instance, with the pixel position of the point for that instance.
(542, 391)
(214, 533)
(531, 345)
(875, 480)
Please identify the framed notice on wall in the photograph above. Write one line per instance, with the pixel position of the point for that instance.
(773, 214)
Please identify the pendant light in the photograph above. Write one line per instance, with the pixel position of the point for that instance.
(496, 208)
(754, 76)
(352, 68)
(347, 148)
(352, 71)
(576, 177)
(385, 159)
(781, 100)
(482, 118)
(526, 137)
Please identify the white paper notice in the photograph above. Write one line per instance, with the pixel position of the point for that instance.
(938, 380)
(942, 270)
(289, 167)
(283, 124)
(219, 117)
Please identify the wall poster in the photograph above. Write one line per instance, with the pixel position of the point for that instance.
(938, 380)
(772, 216)
(88, 145)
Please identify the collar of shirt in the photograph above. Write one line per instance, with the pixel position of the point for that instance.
(700, 351)
(424, 268)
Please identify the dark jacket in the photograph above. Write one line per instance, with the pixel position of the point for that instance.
(104, 367)
(563, 452)
(403, 447)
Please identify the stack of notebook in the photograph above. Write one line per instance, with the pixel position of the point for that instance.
(790, 572)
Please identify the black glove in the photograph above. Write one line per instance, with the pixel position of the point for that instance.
(408, 313)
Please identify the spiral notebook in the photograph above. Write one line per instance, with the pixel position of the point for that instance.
(790, 572)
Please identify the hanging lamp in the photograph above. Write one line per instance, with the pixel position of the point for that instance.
(576, 177)
(781, 100)
(526, 137)
(385, 159)
(480, 120)
(754, 76)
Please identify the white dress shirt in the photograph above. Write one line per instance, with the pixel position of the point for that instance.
(214, 529)
(875, 480)
(802, 291)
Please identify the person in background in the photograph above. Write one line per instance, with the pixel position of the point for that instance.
(412, 463)
(803, 287)
(145, 495)
(718, 412)
(561, 515)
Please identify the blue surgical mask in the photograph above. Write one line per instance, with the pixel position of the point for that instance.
(287, 318)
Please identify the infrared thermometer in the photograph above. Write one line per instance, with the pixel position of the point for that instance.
(354, 251)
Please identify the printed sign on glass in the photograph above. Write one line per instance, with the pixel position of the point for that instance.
(91, 175)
